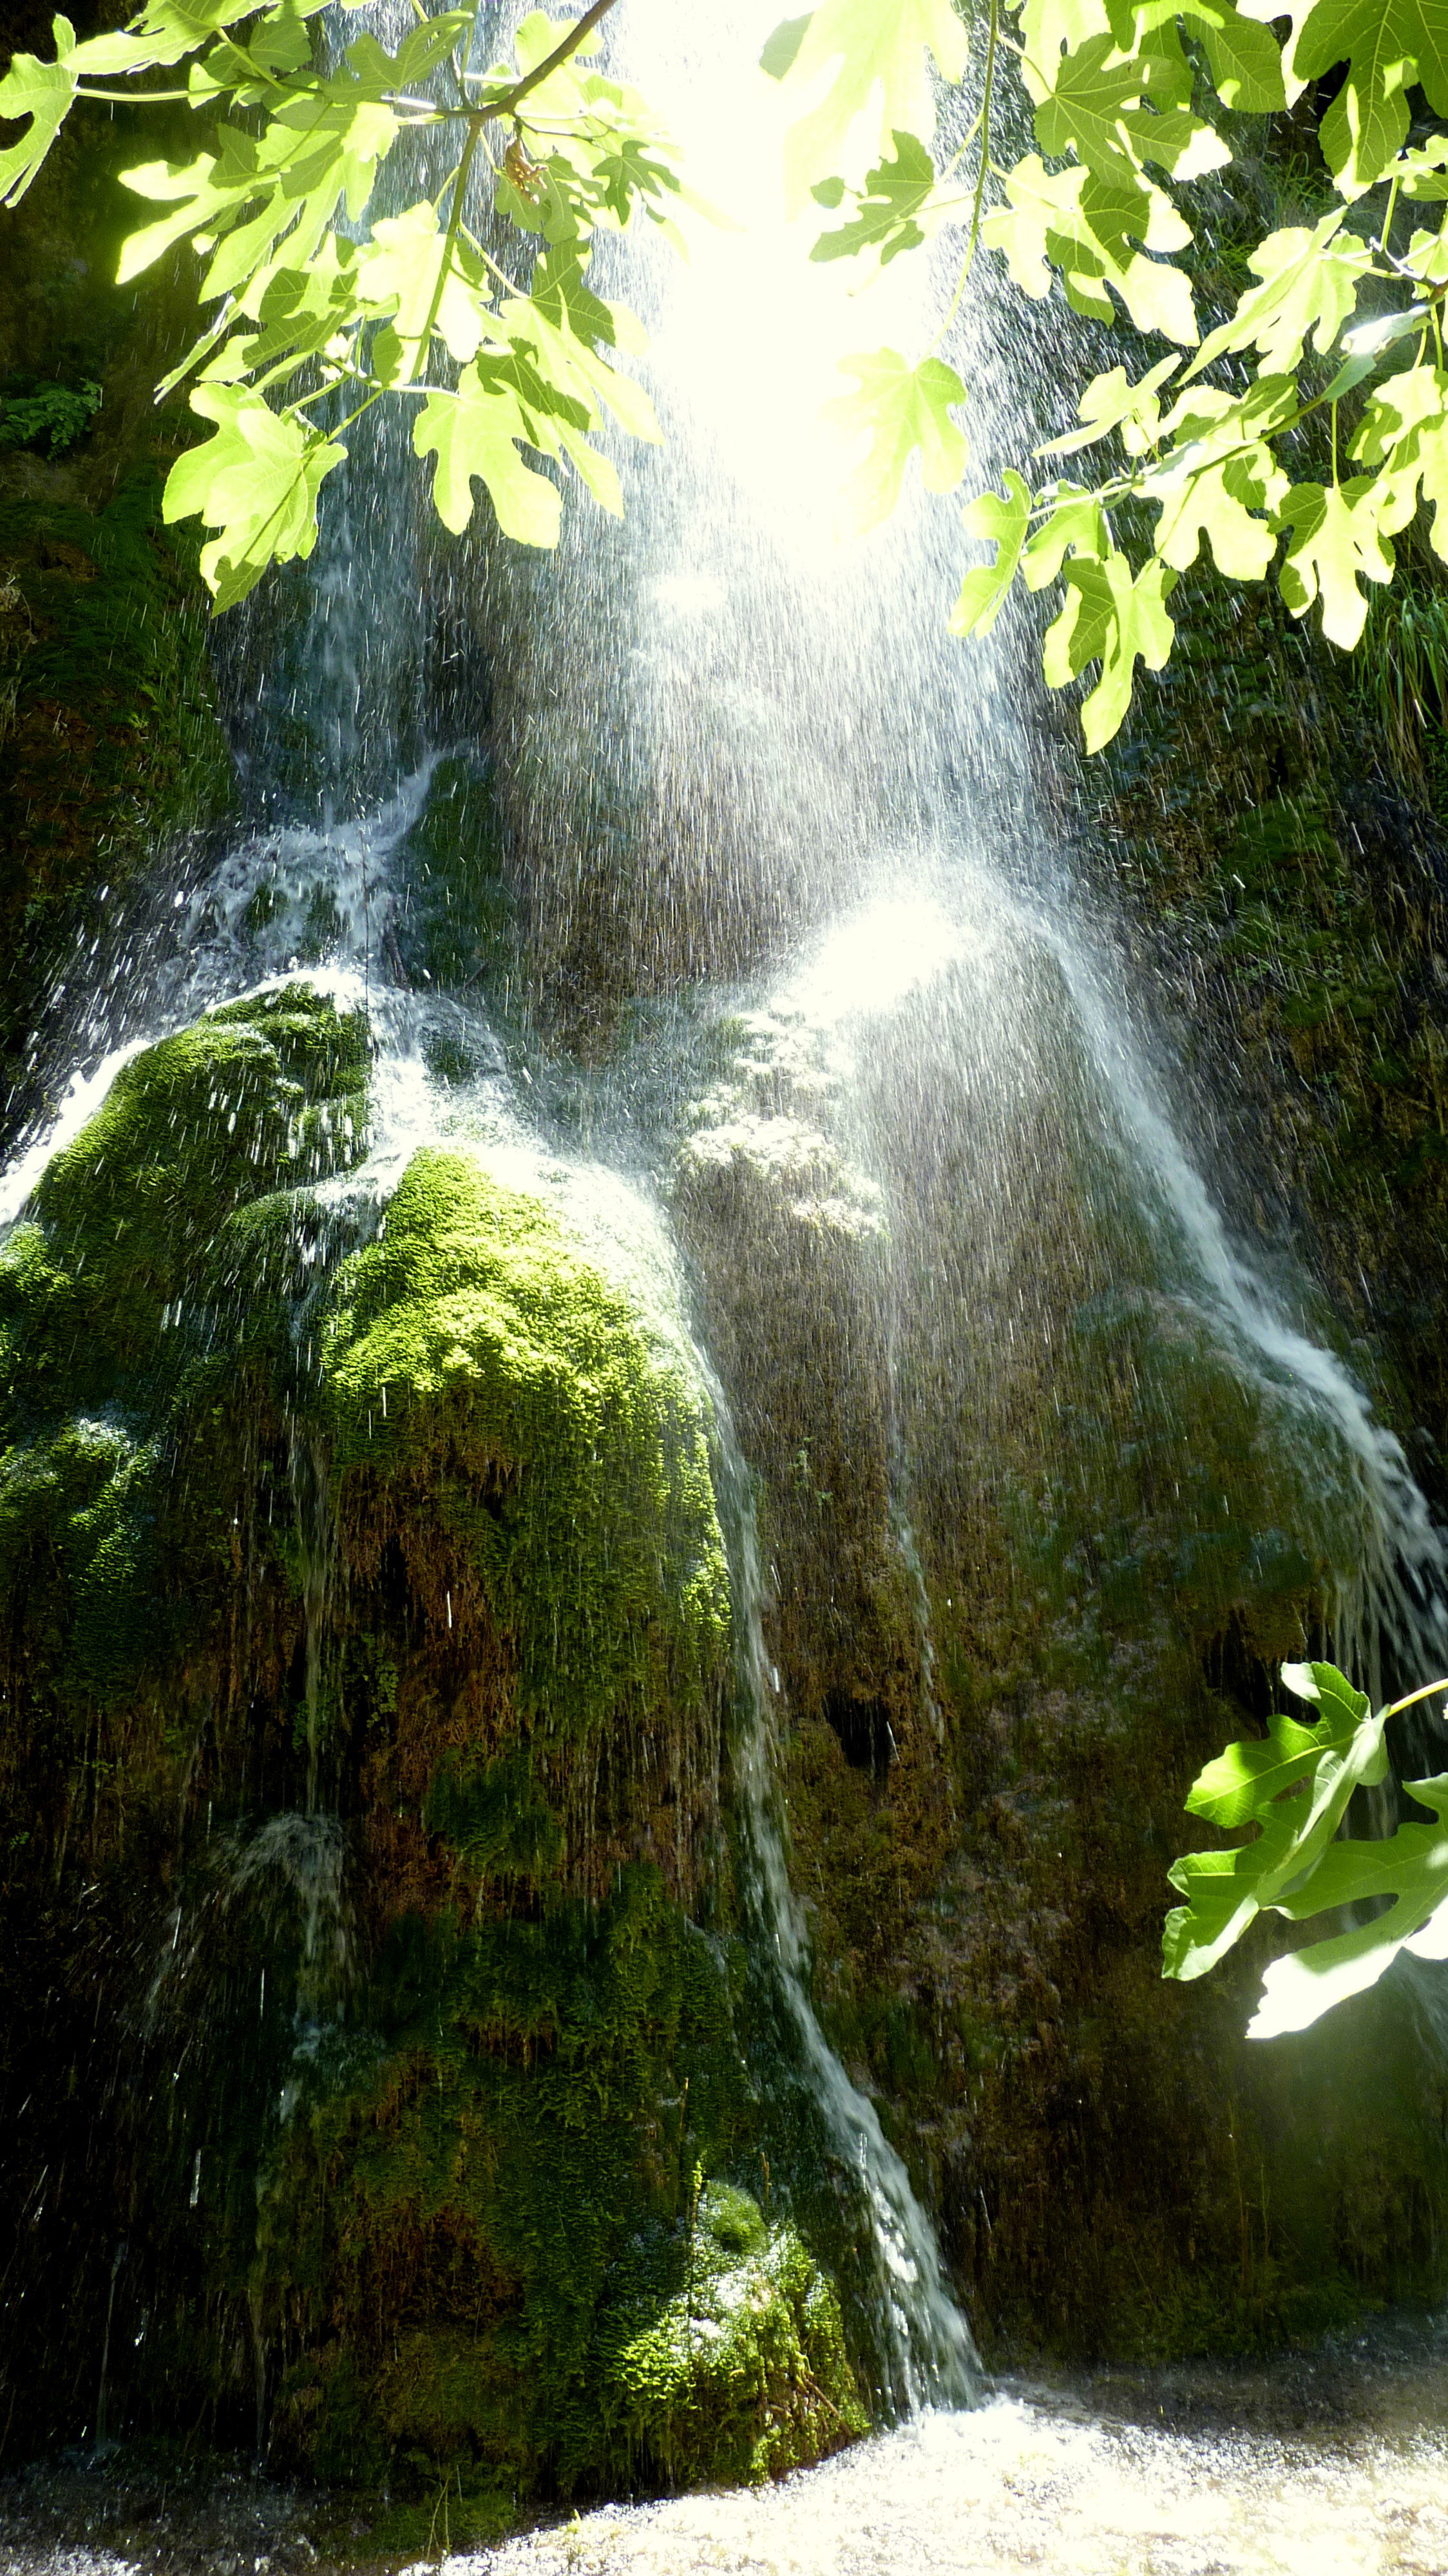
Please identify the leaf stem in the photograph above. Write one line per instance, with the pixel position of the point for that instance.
(1413, 1698)
(133, 97)
(424, 342)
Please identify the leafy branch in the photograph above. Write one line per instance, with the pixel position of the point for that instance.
(1126, 104)
(1295, 1788)
(509, 376)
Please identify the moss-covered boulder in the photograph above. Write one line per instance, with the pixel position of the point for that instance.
(366, 1629)
(145, 1353)
(722, 2351)
(495, 2237)
(491, 1393)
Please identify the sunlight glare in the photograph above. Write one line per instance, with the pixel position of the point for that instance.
(872, 961)
(753, 331)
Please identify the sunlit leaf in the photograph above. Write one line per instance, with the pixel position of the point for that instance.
(1411, 1867)
(1388, 46)
(1119, 619)
(1087, 226)
(44, 92)
(1403, 441)
(875, 64)
(256, 480)
(1001, 522)
(1226, 1890)
(1213, 485)
(1112, 402)
(428, 284)
(1309, 289)
(1295, 1789)
(1075, 525)
(476, 435)
(1335, 543)
(888, 208)
(1245, 61)
(899, 410)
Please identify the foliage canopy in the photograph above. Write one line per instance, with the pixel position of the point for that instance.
(1305, 431)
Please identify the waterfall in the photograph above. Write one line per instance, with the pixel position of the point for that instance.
(747, 772)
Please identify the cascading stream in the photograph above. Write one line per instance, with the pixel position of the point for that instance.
(865, 789)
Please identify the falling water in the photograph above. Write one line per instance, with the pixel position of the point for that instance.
(925, 2343)
(811, 794)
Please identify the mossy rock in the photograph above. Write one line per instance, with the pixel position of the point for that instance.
(125, 1314)
(419, 1528)
(724, 2354)
(483, 1374)
(501, 2234)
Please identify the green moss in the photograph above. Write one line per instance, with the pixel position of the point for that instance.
(723, 2353)
(475, 1360)
(500, 2231)
(127, 1302)
(258, 1097)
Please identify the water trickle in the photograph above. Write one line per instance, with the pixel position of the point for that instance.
(924, 2345)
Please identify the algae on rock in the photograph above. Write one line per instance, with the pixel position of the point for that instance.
(500, 1412)
(367, 1653)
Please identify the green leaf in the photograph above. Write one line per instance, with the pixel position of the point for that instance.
(1003, 524)
(1335, 542)
(1076, 526)
(476, 433)
(1411, 1867)
(1296, 1790)
(403, 272)
(1423, 173)
(1214, 483)
(1113, 402)
(256, 480)
(782, 48)
(888, 209)
(898, 408)
(300, 314)
(557, 322)
(1297, 12)
(1181, 144)
(1309, 289)
(1247, 1778)
(1050, 28)
(321, 150)
(1403, 440)
(1082, 111)
(1387, 45)
(1117, 619)
(1246, 64)
(1085, 225)
(877, 61)
(44, 92)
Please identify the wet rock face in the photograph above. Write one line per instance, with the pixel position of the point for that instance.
(1116, 1529)
(366, 1638)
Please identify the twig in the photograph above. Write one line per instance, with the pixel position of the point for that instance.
(512, 99)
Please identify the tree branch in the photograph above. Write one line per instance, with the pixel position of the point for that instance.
(509, 103)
